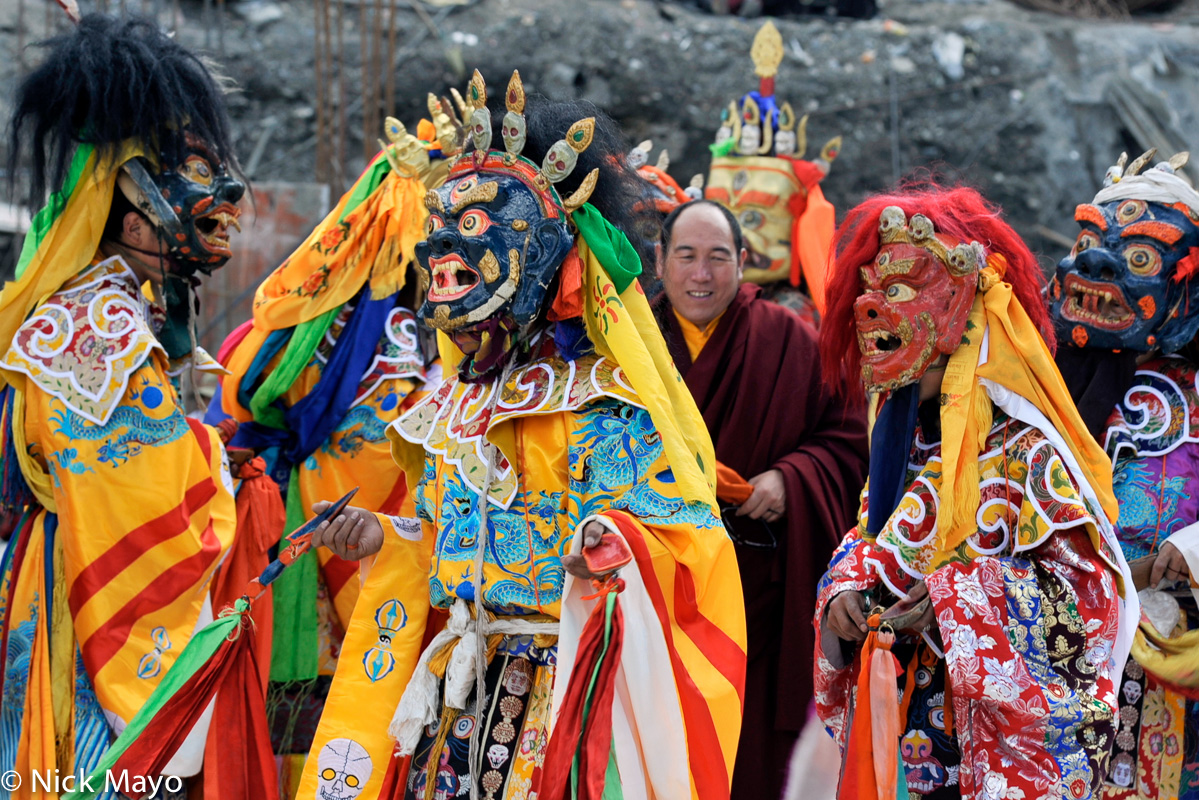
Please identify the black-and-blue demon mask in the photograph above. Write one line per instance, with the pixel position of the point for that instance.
(494, 245)
(498, 231)
(193, 205)
(1131, 280)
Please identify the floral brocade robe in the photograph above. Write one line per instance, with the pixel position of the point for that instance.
(1153, 439)
(1014, 697)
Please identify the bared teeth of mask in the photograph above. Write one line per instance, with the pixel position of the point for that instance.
(231, 220)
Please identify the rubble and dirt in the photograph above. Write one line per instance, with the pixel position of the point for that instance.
(1028, 106)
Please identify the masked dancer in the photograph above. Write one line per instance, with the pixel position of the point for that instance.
(566, 601)
(1126, 314)
(984, 578)
(122, 506)
(759, 173)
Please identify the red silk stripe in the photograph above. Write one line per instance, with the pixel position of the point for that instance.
(102, 645)
(246, 771)
(232, 341)
(716, 645)
(1089, 213)
(597, 737)
(704, 754)
(248, 774)
(96, 575)
(201, 432)
(591, 737)
(1161, 231)
(395, 779)
(337, 573)
(396, 499)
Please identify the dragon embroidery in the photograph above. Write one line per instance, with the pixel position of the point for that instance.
(128, 430)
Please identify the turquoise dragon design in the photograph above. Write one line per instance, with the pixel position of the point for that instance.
(125, 433)
(360, 426)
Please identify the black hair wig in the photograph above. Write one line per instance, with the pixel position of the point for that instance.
(107, 81)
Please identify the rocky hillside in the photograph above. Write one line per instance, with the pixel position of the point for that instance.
(1028, 106)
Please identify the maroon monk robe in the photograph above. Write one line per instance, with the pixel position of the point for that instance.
(757, 384)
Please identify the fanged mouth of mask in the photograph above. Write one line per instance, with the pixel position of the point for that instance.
(879, 341)
(452, 278)
(213, 228)
(1100, 305)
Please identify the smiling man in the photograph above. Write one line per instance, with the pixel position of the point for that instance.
(754, 370)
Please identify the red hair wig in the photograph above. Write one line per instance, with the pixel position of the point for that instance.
(960, 213)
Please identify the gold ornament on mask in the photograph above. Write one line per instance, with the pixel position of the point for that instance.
(584, 191)
(894, 227)
(489, 265)
(513, 132)
(480, 118)
(480, 193)
(559, 161)
(409, 157)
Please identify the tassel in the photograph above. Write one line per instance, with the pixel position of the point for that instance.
(884, 708)
(448, 717)
(870, 766)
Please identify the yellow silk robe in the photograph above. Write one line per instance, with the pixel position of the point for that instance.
(107, 580)
(575, 442)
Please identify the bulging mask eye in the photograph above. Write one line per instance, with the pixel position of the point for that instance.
(900, 293)
(1086, 240)
(1143, 260)
(434, 223)
(196, 169)
(1130, 211)
(752, 219)
(473, 223)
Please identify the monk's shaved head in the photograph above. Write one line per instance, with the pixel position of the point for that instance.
(701, 260)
